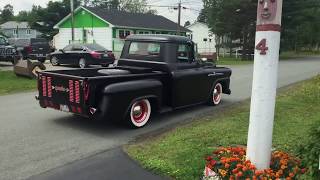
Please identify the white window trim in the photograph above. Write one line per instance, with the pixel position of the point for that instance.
(118, 32)
(28, 31)
(144, 31)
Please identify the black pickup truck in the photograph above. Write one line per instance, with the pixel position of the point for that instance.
(155, 73)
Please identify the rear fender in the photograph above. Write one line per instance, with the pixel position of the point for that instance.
(118, 97)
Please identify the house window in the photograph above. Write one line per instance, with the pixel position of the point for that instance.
(124, 33)
(128, 33)
(28, 31)
(144, 32)
(121, 34)
(205, 39)
(15, 31)
(157, 32)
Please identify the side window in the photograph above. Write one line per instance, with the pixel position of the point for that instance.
(68, 48)
(77, 47)
(183, 53)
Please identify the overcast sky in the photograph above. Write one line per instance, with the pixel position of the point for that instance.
(187, 14)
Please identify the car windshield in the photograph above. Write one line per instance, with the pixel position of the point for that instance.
(95, 47)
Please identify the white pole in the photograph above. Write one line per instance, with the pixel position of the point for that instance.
(264, 83)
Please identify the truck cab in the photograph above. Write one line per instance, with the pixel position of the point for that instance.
(155, 73)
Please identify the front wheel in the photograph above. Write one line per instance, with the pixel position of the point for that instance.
(216, 95)
(139, 114)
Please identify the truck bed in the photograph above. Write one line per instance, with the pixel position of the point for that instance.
(77, 90)
(100, 72)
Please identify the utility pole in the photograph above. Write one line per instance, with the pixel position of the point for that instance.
(179, 17)
(72, 20)
(264, 85)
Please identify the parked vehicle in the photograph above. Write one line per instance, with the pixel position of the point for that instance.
(155, 73)
(82, 55)
(8, 53)
(34, 48)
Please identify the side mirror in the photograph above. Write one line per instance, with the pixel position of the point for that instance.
(61, 50)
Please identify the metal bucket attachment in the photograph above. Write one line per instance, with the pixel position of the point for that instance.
(28, 68)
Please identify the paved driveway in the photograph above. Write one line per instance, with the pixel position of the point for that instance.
(34, 140)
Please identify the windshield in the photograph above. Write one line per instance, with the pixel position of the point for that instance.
(95, 47)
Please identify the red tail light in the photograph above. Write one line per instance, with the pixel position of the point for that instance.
(28, 49)
(44, 86)
(110, 54)
(77, 91)
(49, 87)
(96, 55)
(71, 91)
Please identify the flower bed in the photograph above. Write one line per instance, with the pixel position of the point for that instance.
(230, 163)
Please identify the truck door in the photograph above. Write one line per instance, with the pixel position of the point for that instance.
(191, 83)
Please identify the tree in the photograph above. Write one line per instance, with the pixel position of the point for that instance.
(7, 13)
(202, 16)
(134, 6)
(232, 21)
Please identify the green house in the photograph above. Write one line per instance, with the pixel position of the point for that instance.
(109, 28)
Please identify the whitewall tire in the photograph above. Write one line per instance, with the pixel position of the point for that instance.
(139, 114)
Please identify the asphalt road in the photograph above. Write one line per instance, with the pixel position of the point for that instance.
(35, 140)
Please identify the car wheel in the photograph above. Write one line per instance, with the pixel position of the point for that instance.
(54, 61)
(139, 114)
(35, 71)
(82, 63)
(216, 95)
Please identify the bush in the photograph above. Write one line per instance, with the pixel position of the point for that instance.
(310, 152)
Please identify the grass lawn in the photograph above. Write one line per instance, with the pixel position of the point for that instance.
(10, 83)
(293, 55)
(232, 61)
(180, 152)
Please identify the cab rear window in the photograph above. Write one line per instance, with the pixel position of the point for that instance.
(144, 49)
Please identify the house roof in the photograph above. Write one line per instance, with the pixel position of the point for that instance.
(135, 20)
(14, 25)
(158, 37)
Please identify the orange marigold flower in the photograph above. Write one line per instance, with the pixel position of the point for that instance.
(239, 166)
(291, 174)
(239, 174)
(227, 165)
(252, 167)
(235, 171)
(283, 167)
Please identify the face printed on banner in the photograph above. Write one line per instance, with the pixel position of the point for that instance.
(267, 10)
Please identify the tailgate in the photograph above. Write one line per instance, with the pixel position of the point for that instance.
(63, 92)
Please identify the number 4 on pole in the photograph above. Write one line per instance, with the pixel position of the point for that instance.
(262, 47)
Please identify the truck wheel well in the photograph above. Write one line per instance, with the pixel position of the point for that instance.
(154, 104)
(224, 85)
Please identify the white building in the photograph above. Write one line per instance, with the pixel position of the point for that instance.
(109, 28)
(203, 37)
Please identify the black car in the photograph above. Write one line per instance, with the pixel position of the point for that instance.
(34, 48)
(82, 55)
